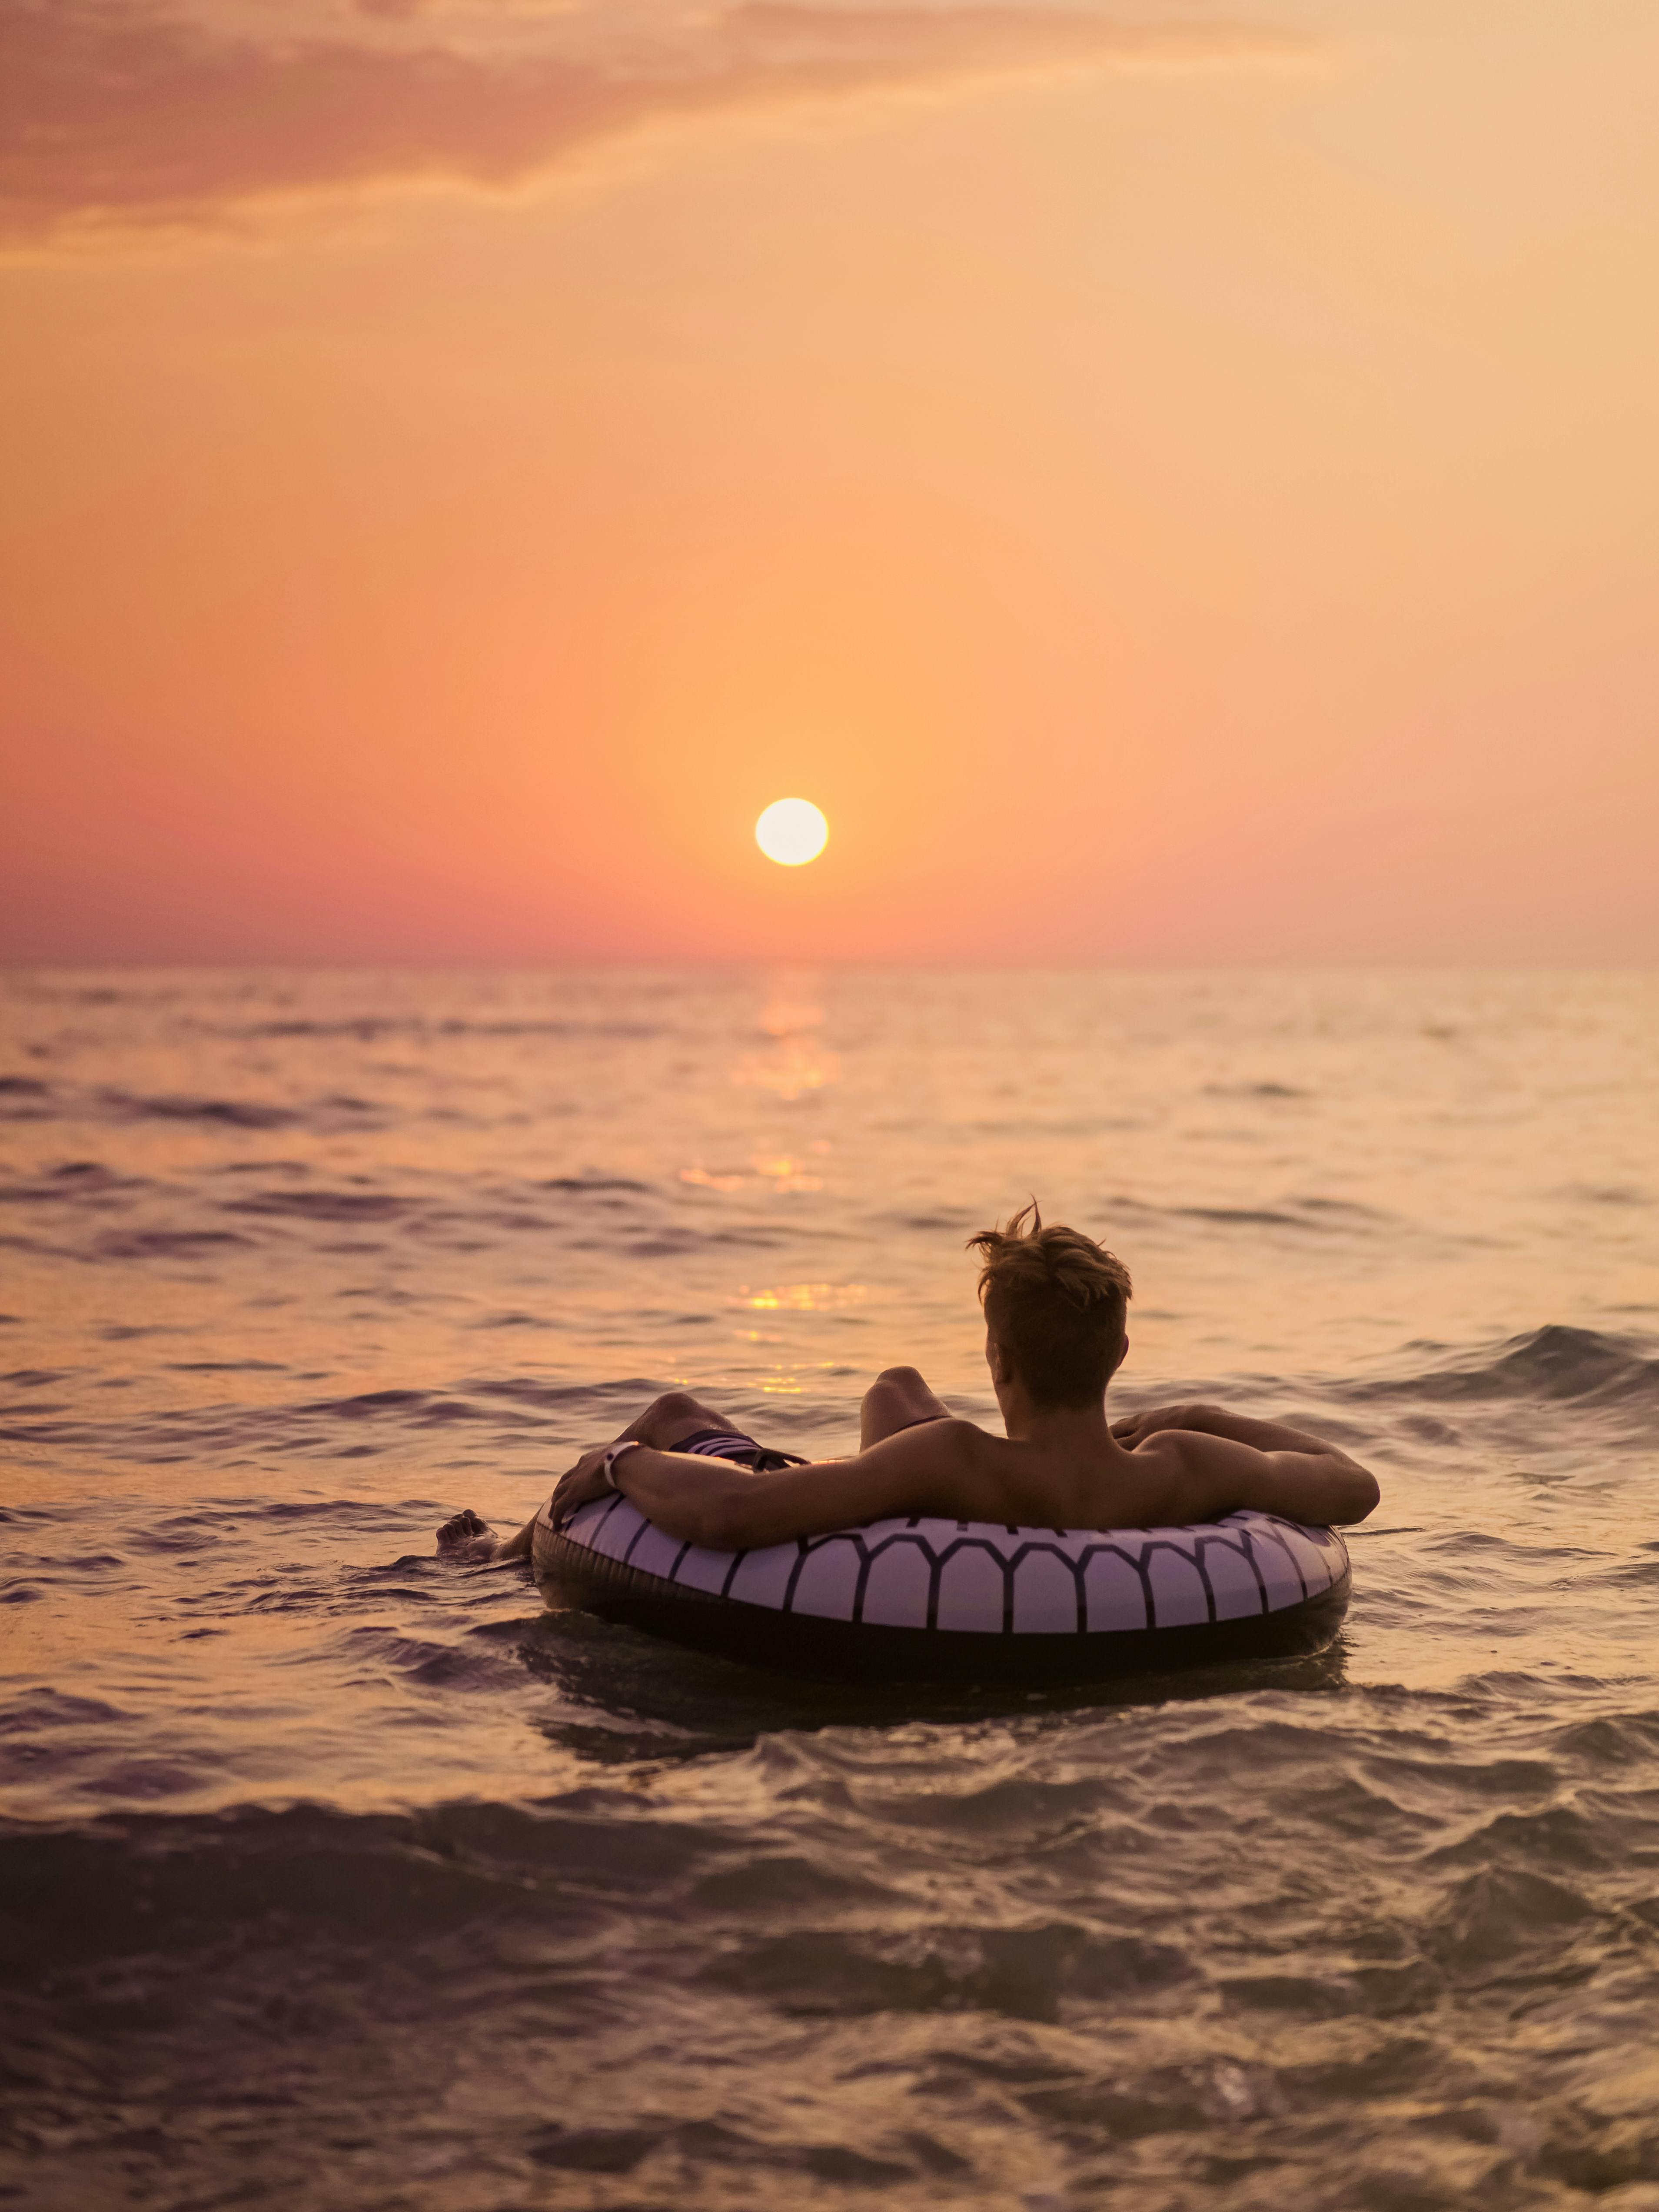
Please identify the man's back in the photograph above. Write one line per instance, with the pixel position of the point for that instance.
(1178, 1464)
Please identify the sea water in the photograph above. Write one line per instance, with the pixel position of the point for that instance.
(335, 1876)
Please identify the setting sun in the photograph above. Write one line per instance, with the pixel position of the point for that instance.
(791, 832)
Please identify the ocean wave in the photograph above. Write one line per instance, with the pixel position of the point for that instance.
(27, 1100)
(1023, 1973)
(164, 1244)
(374, 1028)
(333, 1206)
(594, 1186)
(1553, 1363)
(74, 1182)
(1620, 1194)
(228, 1113)
(634, 1391)
(418, 1408)
(24, 1098)
(1314, 1216)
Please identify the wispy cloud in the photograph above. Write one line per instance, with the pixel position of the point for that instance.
(116, 115)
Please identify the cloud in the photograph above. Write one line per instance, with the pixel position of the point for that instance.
(116, 116)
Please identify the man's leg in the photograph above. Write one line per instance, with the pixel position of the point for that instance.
(897, 1399)
(668, 1420)
(664, 1423)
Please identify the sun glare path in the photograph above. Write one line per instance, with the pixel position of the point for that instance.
(791, 832)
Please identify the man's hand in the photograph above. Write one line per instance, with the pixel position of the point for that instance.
(580, 1485)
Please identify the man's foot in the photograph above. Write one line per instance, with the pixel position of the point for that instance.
(466, 1541)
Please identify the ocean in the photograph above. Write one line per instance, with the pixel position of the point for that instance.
(333, 1876)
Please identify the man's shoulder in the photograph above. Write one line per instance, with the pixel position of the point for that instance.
(952, 1449)
(1192, 1474)
(1187, 1448)
(952, 1436)
(1164, 1445)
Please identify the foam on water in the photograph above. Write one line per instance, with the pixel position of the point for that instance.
(331, 1876)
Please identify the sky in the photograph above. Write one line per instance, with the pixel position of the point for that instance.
(1176, 485)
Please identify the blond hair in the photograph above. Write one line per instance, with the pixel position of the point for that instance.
(1055, 1302)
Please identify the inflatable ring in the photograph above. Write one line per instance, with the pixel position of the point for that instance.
(922, 1600)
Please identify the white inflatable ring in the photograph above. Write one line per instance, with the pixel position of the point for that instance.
(932, 1600)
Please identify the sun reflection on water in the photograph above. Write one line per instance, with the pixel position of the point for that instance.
(783, 1172)
(804, 1297)
(799, 1063)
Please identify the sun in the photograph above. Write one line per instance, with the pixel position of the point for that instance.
(791, 832)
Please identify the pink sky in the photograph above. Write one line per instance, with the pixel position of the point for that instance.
(1172, 490)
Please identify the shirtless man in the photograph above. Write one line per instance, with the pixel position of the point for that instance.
(1054, 1306)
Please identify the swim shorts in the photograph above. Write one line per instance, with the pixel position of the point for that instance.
(731, 1444)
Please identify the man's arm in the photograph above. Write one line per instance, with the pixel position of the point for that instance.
(1223, 1462)
(717, 1503)
(720, 1503)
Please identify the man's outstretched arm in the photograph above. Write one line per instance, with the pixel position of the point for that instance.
(718, 1503)
(1227, 1462)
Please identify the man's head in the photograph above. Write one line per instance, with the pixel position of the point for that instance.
(1055, 1303)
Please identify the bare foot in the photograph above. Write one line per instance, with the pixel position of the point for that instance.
(466, 1539)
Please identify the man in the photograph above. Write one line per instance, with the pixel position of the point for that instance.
(1054, 1306)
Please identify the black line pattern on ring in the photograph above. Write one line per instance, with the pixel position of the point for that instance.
(1236, 1535)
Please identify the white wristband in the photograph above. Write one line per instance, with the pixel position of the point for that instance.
(608, 1464)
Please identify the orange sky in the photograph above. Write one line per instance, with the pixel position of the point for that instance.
(1171, 489)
